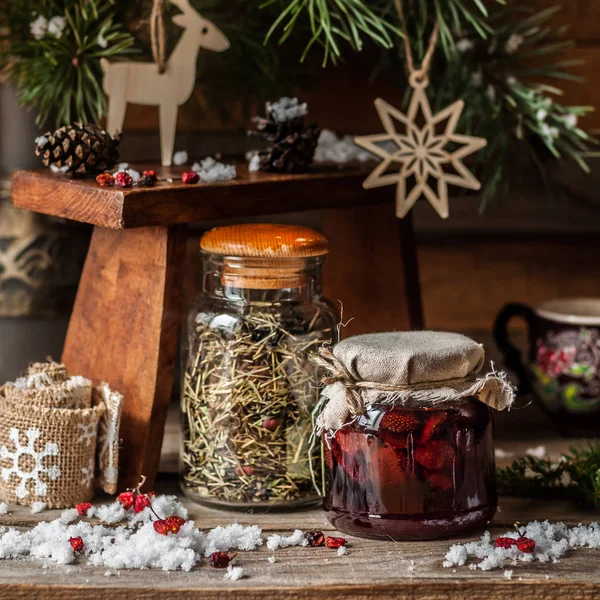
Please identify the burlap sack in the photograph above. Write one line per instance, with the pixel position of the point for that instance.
(57, 436)
(407, 368)
(47, 454)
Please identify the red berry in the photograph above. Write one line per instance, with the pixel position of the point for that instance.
(105, 179)
(146, 181)
(505, 542)
(271, 424)
(190, 177)
(441, 481)
(161, 527)
(151, 173)
(315, 538)
(435, 455)
(151, 494)
(399, 421)
(123, 179)
(335, 542)
(433, 425)
(526, 545)
(140, 503)
(349, 450)
(174, 523)
(77, 543)
(246, 470)
(126, 499)
(82, 509)
(220, 560)
(388, 466)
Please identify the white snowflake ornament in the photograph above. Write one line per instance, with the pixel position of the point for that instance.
(37, 459)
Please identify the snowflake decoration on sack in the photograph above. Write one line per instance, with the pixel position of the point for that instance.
(88, 473)
(88, 433)
(50, 449)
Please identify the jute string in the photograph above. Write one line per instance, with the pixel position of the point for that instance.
(417, 77)
(340, 374)
(157, 34)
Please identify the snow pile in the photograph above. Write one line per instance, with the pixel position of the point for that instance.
(180, 158)
(37, 507)
(286, 109)
(281, 541)
(211, 171)
(552, 541)
(332, 148)
(234, 573)
(234, 537)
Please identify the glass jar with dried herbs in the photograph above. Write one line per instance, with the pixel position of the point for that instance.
(249, 389)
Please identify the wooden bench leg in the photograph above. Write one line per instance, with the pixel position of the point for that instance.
(124, 330)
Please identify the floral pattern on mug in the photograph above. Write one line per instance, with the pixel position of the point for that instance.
(567, 369)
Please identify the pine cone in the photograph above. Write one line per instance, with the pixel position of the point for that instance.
(79, 149)
(291, 144)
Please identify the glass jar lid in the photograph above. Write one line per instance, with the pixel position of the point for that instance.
(264, 255)
(265, 240)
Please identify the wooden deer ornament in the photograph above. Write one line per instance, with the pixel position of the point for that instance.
(142, 83)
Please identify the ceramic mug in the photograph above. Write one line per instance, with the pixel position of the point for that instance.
(563, 365)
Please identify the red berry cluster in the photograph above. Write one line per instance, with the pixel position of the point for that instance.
(190, 177)
(221, 560)
(555, 362)
(123, 179)
(77, 543)
(171, 524)
(335, 542)
(389, 461)
(148, 178)
(82, 509)
(105, 179)
(522, 543)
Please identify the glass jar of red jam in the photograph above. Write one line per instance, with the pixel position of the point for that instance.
(408, 473)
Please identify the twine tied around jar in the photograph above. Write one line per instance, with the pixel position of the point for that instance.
(406, 368)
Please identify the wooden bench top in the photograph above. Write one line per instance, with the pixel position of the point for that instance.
(250, 194)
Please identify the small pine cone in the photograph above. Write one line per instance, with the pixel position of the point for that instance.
(79, 149)
(292, 144)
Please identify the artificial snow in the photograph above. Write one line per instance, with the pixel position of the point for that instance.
(234, 537)
(286, 109)
(3, 508)
(111, 513)
(122, 166)
(552, 541)
(38, 507)
(332, 148)
(56, 169)
(180, 158)
(271, 559)
(211, 171)
(499, 453)
(41, 140)
(254, 163)
(508, 574)
(536, 452)
(342, 550)
(68, 516)
(281, 541)
(234, 573)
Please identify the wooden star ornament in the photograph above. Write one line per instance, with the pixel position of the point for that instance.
(431, 153)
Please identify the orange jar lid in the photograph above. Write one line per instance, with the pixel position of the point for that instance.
(265, 240)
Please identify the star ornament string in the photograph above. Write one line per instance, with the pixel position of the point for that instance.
(431, 152)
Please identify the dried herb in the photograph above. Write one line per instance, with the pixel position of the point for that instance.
(249, 392)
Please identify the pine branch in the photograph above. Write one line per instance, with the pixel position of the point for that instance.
(59, 73)
(575, 477)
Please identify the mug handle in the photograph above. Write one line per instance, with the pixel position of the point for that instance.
(512, 355)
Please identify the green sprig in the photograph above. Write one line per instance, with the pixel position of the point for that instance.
(576, 477)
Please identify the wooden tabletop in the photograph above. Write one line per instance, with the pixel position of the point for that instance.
(249, 194)
(371, 569)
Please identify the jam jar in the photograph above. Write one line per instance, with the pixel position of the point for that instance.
(249, 388)
(412, 472)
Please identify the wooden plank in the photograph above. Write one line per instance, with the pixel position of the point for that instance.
(124, 330)
(172, 203)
